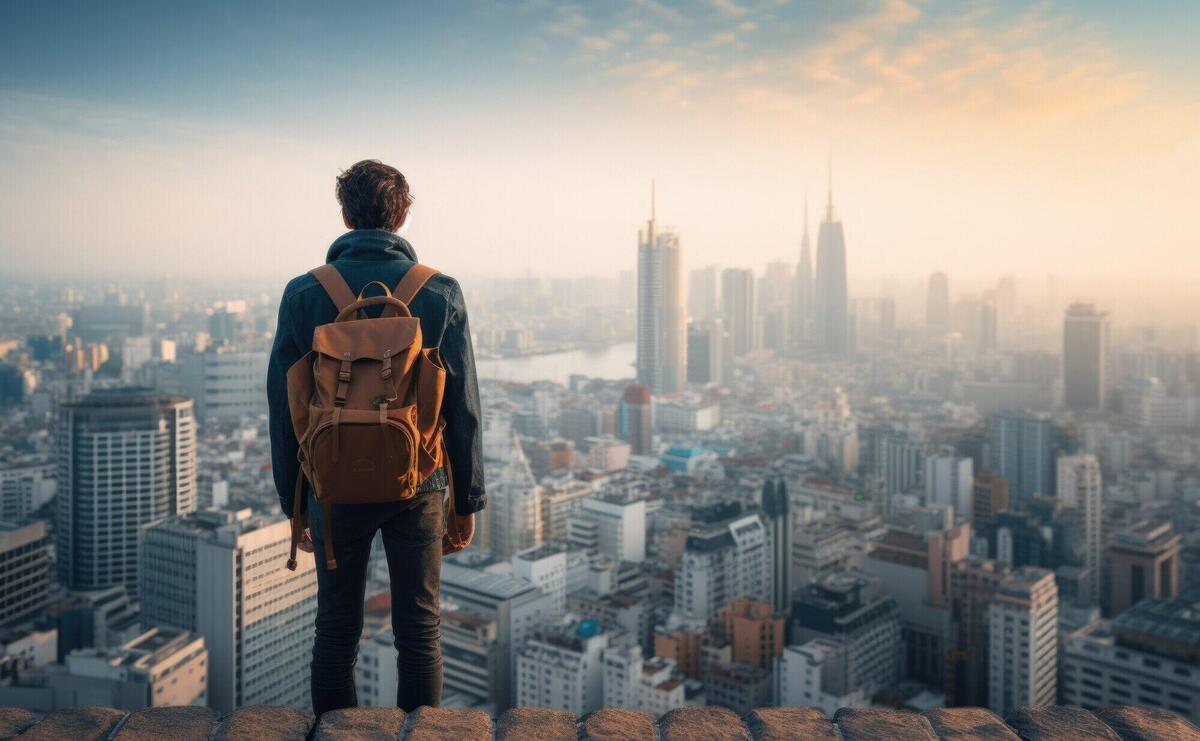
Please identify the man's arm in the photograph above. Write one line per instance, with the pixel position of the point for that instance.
(284, 446)
(463, 435)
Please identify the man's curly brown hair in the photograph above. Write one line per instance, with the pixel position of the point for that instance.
(373, 196)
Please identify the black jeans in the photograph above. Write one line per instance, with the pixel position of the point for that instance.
(412, 537)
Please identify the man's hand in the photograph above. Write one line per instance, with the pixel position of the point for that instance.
(460, 529)
(305, 542)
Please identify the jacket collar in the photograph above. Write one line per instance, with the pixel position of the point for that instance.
(370, 244)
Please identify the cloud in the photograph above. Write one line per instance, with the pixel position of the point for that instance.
(729, 7)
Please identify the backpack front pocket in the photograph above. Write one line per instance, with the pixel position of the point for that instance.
(361, 457)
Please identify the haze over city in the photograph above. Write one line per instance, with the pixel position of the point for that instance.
(977, 138)
(637, 369)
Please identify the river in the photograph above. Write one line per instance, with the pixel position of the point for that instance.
(612, 362)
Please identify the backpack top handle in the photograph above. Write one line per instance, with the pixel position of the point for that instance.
(395, 304)
(386, 291)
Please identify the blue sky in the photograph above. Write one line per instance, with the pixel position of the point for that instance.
(531, 129)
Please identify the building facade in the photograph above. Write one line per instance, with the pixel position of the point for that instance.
(127, 458)
(1085, 355)
(1023, 642)
(223, 575)
(661, 319)
(24, 569)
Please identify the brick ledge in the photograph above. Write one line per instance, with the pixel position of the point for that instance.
(608, 724)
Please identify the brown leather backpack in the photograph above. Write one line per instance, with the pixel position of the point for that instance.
(366, 402)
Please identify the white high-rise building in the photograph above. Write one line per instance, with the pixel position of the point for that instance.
(224, 382)
(661, 318)
(224, 575)
(738, 314)
(720, 561)
(515, 605)
(949, 481)
(1080, 486)
(1023, 642)
(126, 458)
(613, 526)
(512, 521)
(544, 566)
(25, 487)
(562, 667)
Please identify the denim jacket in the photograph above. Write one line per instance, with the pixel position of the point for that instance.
(361, 256)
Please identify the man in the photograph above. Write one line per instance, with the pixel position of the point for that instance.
(375, 201)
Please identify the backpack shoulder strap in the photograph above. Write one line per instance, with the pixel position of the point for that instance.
(416, 277)
(334, 284)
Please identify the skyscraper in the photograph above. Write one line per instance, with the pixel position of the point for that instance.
(737, 310)
(948, 481)
(702, 294)
(937, 303)
(1023, 448)
(705, 352)
(127, 458)
(1085, 351)
(1023, 642)
(831, 305)
(512, 521)
(223, 575)
(990, 498)
(781, 529)
(775, 306)
(805, 297)
(661, 321)
(1079, 487)
(723, 558)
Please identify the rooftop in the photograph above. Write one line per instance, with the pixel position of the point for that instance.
(541, 724)
(1171, 621)
(1146, 536)
(127, 396)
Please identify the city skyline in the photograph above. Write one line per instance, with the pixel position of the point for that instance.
(936, 447)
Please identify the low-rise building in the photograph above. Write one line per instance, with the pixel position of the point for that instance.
(160, 667)
(1149, 655)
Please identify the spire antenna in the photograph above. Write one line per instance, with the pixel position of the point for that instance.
(829, 207)
(806, 208)
(652, 200)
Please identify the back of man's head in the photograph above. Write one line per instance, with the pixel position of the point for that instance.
(373, 196)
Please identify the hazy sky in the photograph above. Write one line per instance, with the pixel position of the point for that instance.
(978, 138)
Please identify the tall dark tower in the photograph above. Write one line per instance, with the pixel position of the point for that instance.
(779, 524)
(1085, 353)
(831, 309)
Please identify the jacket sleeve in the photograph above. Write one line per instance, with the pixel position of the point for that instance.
(284, 353)
(463, 435)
